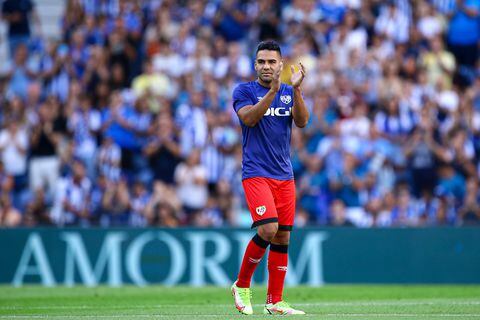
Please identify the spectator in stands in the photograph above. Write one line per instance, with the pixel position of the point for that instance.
(192, 121)
(9, 216)
(20, 72)
(13, 150)
(18, 13)
(84, 124)
(405, 212)
(395, 136)
(347, 183)
(128, 126)
(99, 187)
(392, 23)
(139, 200)
(164, 206)
(469, 213)
(44, 161)
(109, 159)
(438, 63)
(164, 149)
(37, 213)
(339, 215)
(231, 20)
(430, 23)
(420, 156)
(312, 188)
(6, 181)
(191, 179)
(463, 32)
(58, 72)
(115, 204)
(74, 193)
(151, 83)
(451, 184)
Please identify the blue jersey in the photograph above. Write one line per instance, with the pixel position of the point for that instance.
(266, 146)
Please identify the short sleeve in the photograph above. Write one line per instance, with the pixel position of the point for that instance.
(241, 98)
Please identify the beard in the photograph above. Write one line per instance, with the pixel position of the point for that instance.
(265, 78)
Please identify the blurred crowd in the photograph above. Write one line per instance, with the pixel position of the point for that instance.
(127, 119)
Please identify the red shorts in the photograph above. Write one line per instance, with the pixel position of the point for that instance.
(270, 200)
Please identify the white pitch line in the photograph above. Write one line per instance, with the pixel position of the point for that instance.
(130, 316)
(388, 303)
(169, 316)
(312, 304)
(412, 315)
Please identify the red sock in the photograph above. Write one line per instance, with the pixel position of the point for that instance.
(253, 255)
(277, 269)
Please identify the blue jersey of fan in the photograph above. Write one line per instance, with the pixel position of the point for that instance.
(266, 146)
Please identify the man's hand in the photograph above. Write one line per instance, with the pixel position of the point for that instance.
(300, 112)
(276, 82)
(48, 127)
(297, 77)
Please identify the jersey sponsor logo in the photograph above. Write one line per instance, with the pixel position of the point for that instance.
(278, 112)
(261, 210)
(282, 268)
(286, 99)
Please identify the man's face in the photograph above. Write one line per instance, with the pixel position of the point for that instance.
(197, 99)
(78, 171)
(267, 62)
(13, 126)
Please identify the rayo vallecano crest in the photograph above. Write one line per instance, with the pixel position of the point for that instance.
(261, 210)
(286, 99)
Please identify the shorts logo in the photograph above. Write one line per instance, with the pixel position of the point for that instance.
(261, 210)
(286, 99)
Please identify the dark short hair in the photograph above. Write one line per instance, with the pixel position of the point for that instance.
(269, 45)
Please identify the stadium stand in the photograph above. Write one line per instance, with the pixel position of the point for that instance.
(122, 116)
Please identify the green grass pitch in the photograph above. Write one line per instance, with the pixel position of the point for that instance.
(155, 302)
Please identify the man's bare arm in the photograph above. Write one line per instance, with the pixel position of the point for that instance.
(250, 115)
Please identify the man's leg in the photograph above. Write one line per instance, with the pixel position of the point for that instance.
(284, 195)
(277, 266)
(278, 256)
(264, 215)
(261, 205)
(254, 253)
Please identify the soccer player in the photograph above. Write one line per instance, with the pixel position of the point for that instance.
(266, 108)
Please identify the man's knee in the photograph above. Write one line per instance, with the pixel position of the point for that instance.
(281, 237)
(268, 231)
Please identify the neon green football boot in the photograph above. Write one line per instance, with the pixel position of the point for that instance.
(280, 308)
(242, 298)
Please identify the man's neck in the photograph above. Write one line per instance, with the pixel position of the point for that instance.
(264, 84)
